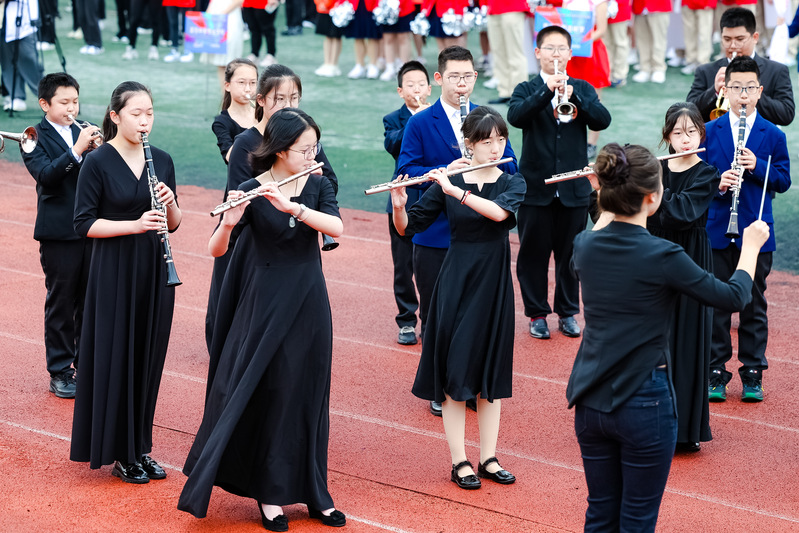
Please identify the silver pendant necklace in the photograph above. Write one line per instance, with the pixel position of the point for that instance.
(292, 218)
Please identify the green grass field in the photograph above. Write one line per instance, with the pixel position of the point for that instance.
(349, 112)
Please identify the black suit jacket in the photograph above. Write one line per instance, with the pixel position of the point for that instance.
(394, 126)
(56, 173)
(776, 103)
(549, 147)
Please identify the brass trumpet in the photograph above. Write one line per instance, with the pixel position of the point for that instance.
(27, 139)
(84, 125)
(564, 111)
(722, 102)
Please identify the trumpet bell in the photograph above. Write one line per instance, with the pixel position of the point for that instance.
(27, 139)
(718, 112)
(565, 112)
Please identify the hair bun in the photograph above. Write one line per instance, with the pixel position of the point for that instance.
(612, 166)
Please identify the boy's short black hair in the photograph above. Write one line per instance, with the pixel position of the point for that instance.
(742, 64)
(49, 84)
(411, 66)
(737, 17)
(539, 39)
(453, 53)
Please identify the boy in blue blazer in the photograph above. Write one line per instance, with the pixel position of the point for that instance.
(414, 88)
(762, 139)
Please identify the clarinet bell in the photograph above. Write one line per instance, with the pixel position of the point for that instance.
(328, 243)
(172, 279)
(732, 227)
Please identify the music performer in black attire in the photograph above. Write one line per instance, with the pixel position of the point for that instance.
(621, 385)
(551, 215)
(55, 164)
(237, 115)
(128, 311)
(739, 34)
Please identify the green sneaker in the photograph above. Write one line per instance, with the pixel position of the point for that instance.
(752, 386)
(717, 388)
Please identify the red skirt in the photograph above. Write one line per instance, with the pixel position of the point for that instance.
(595, 69)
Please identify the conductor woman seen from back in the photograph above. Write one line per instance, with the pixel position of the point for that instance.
(621, 385)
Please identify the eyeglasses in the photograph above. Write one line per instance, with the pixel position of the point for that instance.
(737, 89)
(282, 101)
(738, 42)
(561, 50)
(246, 83)
(456, 78)
(309, 153)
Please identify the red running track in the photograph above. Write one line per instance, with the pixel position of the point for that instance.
(389, 462)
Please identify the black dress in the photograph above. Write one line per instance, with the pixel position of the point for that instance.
(681, 219)
(265, 429)
(468, 347)
(127, 315)
(226, 129)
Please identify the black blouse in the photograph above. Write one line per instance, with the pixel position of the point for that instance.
(226, 129)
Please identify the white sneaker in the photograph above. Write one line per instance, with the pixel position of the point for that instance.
(657, 77)
(689, 70)
(124, 39)
(357, 72)
(641, 77)
(17, 105)
(380, 63)
(491, 84)
(253, 58)
(632, 57)
(152, 55)
(187, 57)
(421, 60)
(6, 103)
(75, 34)
(336, 71)
(92, 50)
(130, 54)
(325, 71)
(308, 24)
(172, 56)
(372, 72)
(389, 74)
(45, 46)
(144, 31)
(268, 60)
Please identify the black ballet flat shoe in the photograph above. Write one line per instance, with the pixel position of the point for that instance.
(278, 523)
(153, 469)
(335, 519)
(501, 476)
(130, 473)
(470, 482)
(688, 447)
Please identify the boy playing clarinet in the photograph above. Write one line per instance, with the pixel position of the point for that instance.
(761, 139)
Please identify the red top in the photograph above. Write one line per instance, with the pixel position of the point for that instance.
(323, 6)
(738, 2)
(500, 7)
(370, 4)
(652, 6)
(443, 5)
(700, 4)
(625, 12)
(257, 4)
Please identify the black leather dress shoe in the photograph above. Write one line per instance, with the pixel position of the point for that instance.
(334, 519)
(688, 447)
(568, 326)
(63, 385)
(469, 482)
(500, 100)
(153, 469)
(130, 473)
(278, 523)
(539, 328)
(501, 476)
(435, 408)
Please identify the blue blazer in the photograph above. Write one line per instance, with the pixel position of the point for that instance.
(428, 143)
(765, 139)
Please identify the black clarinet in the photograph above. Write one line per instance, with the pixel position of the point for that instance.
(732, 226)
(464, 112)
(172, 279)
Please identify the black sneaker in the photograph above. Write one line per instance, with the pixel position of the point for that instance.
(752, 381)
(717, 387)
(407, 336)
(63, 385)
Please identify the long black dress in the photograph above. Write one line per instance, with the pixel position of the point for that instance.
(468, 347)
(681, 219)
(265, 429)
(127, 316)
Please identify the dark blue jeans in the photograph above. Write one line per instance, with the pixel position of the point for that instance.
(627, 456)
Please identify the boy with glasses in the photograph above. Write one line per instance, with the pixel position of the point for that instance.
(552, 215)
(739, 37)
(433, 139)
(761, 140)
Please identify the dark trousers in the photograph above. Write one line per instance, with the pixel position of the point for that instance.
(66, 270)
(543, 232)
(262, 26)
(627, 456)
(753, 327)
(138, 13)
(295, 13)
(89, 20)
(49, 12)
(310, 11)
(404, 289)
(174, 17)
(427, 263)
(123, 12)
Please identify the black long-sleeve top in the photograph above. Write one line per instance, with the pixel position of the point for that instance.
(226, 130)
(630, 281)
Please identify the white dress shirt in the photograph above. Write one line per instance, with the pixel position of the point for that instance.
(735, 121)
(454, 116)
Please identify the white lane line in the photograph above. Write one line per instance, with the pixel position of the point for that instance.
(541, 378)
(16, 222)
(718, 501)
(28, 340)
(758, 422)
(22, 272)
(185, 376)
(373, 345)
(37, 431)
(376, 524)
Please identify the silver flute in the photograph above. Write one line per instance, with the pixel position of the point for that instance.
(230, 204)
(383, 187)
(574, 174)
